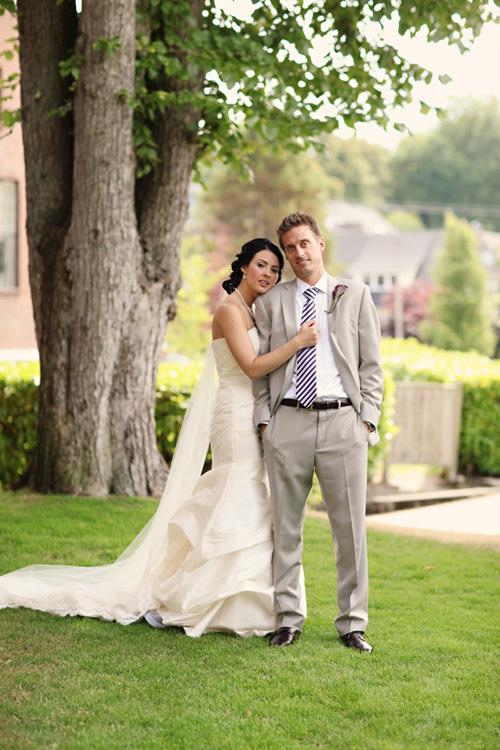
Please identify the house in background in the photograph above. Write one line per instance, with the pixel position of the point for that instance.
(344, 217)
(391, 262)
(17, 329)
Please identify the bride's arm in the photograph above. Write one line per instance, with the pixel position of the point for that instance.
(231, 322)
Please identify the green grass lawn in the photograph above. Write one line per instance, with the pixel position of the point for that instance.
(431, 682)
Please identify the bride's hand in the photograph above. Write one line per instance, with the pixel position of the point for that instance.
(308, 334)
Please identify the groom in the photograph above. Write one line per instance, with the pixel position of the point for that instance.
(318, 412)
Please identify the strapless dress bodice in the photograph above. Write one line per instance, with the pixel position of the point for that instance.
(233, 383)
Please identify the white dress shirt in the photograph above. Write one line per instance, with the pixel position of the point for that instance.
(328, 376)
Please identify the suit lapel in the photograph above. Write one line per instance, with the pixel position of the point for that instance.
(333, 321)
(289, 311)
(289, 308)
(333, 316)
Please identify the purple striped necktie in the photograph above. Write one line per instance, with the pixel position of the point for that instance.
(306, 382)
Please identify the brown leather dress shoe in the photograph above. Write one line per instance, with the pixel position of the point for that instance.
(284, 637)
(356, 640)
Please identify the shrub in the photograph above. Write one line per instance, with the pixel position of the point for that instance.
(18, 425)
(377, 454)
(402, 359)
(19, 413)
(174, 386)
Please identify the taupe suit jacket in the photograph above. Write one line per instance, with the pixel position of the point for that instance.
(355, 337)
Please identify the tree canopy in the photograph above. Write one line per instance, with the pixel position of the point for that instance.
(287, 70)
(460, 307)
(414, 303)
(254, 207)
(361, 169)
(455, 166)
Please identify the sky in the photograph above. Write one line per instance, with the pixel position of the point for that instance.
(475, 73)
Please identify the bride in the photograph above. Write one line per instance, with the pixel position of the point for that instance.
(203, 562)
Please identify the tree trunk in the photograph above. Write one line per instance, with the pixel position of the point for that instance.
(46, 35)
(102, 292)
(162, 208)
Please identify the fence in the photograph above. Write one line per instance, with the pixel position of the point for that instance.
(428, 417)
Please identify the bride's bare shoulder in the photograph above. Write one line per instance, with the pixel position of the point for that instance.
(227, 307)
(227, 313)
(225, 301)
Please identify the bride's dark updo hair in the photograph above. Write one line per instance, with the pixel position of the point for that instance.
(244, 257)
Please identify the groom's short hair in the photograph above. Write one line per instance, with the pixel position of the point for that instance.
(298, 219)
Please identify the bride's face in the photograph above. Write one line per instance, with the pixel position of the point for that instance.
(262, 272)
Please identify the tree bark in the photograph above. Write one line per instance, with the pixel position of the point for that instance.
(162, 208)
(102, 241)
(46, 34)
(103, 293)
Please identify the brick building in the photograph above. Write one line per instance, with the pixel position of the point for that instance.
(17, 329)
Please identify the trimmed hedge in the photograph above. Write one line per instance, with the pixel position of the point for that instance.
(18, 422)
(173, 389)
(377, 454)
(19, 414)
(479, 450)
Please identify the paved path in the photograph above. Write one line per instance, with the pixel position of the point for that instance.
(473, 521)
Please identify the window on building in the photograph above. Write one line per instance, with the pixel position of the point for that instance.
(8, 233)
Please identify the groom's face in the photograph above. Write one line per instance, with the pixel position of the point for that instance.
(304, 252)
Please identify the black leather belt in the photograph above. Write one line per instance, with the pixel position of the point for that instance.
(334, 403)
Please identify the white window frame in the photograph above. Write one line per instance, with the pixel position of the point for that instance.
(9, 236)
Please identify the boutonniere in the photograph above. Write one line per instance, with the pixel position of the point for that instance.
(337, 294)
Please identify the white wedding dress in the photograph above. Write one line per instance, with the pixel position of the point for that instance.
(204, 560)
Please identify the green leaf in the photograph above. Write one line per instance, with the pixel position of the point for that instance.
(10, 117)
(262, 68)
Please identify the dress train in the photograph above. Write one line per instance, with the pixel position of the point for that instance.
(204, 561)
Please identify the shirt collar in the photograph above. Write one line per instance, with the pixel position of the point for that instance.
(321, 285)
